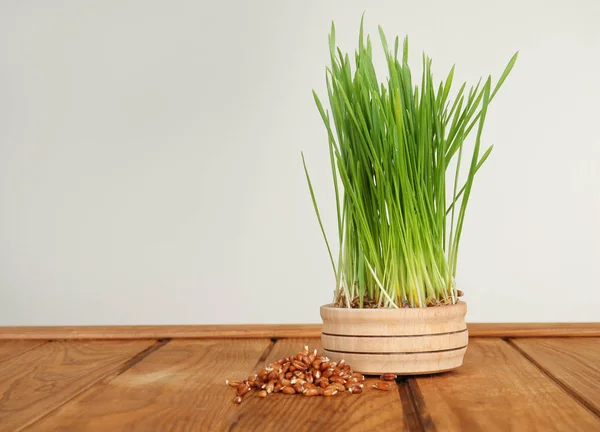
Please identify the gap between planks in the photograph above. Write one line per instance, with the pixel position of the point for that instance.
(594, 410)
(497, 330)
(128, 364)
(136, 359)
(14, 348)
(416, 416)
(415, 412)
(497, 389)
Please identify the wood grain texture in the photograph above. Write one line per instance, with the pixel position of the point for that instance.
(494, 330)
(40, 380)
(498, 389)
(574, 362)
(180, 387)
(371, 410)
(10, 349)
(163, 332)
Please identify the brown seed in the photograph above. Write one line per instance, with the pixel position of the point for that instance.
(460, 293)
(237, 400)
(286, 366)
(329, 392)
(292, 368)
(350, 384)
(298, 387)
(383, 385)
(298, 373)
(327, 373)
(289, 375)
(310, 378)
(311, 356)
(272, 376)
(263, 374)
(306, 360)
(359, 377)
(317, 374)
(299, 365)
(285, 382)
(320, 380)
(300, 355)
(316, 363)
(242, 389)
(355, 389)
(324, 384)
(311, 392)
(336, 379)
(251, 378)
(270, 387)
(276, 367)
(324, 365)
(288, 390)
(388, 377)
(262, 394)
(337, 371)
(339, 386)
(309, 386)
(281, 361)
(277, 388)
(233, 383)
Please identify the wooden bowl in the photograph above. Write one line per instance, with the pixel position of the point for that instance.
(407, 341)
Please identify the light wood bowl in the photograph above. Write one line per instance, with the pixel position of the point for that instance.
(407, 341)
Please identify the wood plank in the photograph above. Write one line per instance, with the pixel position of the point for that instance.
(179, 387)
(371, 410)
(260, 331)
(498, 389)
(40, 380)
(502, 330)
(574, 362)
(10, 349)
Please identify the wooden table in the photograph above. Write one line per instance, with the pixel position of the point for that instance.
(515, 377)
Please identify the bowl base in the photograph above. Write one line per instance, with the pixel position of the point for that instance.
(401, 364)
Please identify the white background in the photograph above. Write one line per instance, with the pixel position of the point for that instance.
(150, 167)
